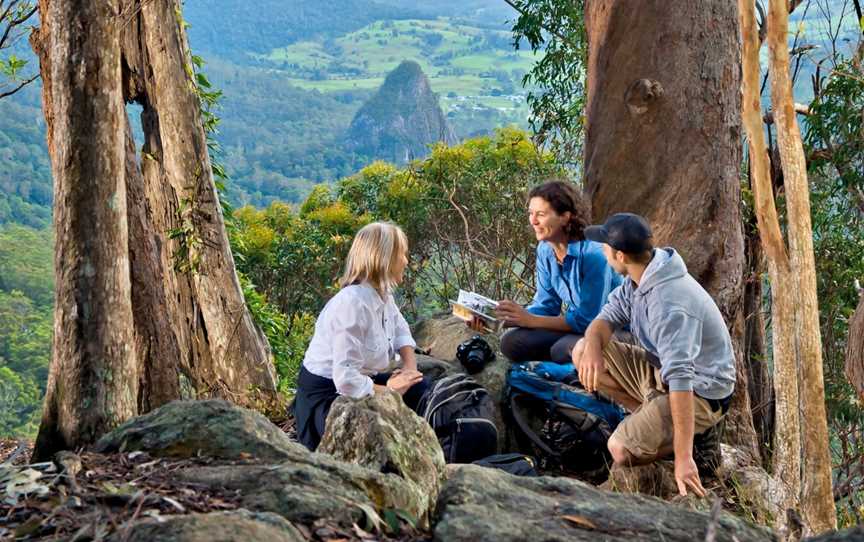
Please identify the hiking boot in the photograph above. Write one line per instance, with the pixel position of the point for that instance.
(706, 451)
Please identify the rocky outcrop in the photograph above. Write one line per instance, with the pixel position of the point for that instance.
(480, 505)
(213, 527)
(382, 434)
(298, 485)
(214, 428)
(401, 120)
(441, 336)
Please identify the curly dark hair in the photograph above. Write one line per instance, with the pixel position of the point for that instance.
(563, 196)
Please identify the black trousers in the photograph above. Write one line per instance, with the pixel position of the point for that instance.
(315, 396)
(524, 344)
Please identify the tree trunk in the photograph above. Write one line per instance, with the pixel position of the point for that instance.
(787, 447)
(156, 344)
(663, 140)
(222, 353)
(761, 385)
(855, 350)
(92, 384)
(819, 513)
(148, 305)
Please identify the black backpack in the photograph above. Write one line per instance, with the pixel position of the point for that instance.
(559, 422)
(516, 464)
(460, 411)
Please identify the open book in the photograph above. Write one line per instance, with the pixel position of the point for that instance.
(470, 304)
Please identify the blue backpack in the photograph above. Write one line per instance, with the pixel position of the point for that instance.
(563, 425)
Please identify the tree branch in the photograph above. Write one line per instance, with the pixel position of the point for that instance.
(19, 87)
(801, 109)
(552, 31)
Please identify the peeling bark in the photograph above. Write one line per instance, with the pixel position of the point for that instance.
(787, 444)
(817, 496)
(222, 353)
(663, 140)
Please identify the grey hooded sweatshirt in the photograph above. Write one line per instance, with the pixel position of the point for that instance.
(676, 320)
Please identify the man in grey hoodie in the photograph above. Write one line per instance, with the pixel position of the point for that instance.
(678, 382)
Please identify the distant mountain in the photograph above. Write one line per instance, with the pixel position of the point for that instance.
(401, 120)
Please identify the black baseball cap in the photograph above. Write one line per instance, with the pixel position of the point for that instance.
(626, 232)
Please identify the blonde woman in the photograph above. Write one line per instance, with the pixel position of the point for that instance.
(358, 334)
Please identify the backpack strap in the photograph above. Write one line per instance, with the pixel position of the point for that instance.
(526, 429)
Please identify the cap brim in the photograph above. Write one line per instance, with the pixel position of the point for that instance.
(597, 233)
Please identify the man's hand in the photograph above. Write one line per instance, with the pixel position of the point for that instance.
(401, 381)
(686, 473)
(513, 314)
(687, 476)
(588, 360)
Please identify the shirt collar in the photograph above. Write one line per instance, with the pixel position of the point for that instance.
(372, 295)
(573, 249)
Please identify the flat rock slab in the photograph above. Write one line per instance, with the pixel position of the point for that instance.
(213, 527)
(855, 534)
(304, 491)
(212, 428)
(479, 505)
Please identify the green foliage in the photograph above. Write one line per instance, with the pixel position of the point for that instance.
(25, 175)
(287, 342)
(836, 150)
(26, 324)
(19, 405)
(13, 18)
(463, 209)
(557, 29)
(26, 257)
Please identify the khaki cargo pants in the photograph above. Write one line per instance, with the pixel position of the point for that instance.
(649, 429)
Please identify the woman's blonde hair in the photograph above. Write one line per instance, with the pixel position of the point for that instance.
(373, 256)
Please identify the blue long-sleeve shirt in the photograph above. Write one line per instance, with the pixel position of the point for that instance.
(578, 286)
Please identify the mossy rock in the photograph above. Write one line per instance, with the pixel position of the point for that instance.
(212, 428)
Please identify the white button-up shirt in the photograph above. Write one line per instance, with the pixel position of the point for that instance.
(356, 335)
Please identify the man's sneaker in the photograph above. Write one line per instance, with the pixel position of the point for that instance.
(706, 450)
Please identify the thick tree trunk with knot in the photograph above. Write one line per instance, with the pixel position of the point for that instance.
(663, 140)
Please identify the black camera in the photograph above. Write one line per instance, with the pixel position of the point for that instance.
(474, 354)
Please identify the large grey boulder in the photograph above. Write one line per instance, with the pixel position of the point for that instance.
(213, 428)
(441, 335)
(479, 505)
(381, 433)
(234, 526)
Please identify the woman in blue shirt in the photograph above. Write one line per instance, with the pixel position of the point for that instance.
(573, 279)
